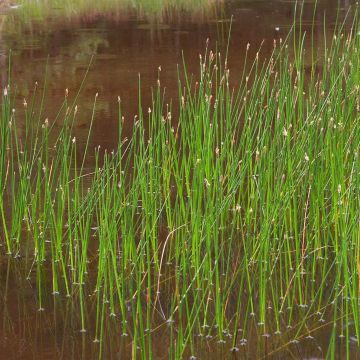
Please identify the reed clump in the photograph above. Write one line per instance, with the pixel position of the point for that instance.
(238, 211)
(155, 11)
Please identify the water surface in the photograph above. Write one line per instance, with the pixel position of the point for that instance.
(129, 43)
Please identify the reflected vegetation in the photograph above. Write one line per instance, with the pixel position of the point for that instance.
(134, 44)
(27, 333)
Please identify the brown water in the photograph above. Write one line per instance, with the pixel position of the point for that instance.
(27, 333)
(129, 44)
(125, 45)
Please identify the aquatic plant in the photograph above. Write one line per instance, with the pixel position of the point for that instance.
(152, 10)
(233, 215)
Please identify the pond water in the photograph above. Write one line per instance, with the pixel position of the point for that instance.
(127, 42)
(27, 333)
(111, 49)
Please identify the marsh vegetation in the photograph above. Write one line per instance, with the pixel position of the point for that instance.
(225, 218)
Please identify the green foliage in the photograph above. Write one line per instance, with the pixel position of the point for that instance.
(238, 209)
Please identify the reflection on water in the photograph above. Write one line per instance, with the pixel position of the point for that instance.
(126, 42)
(27, 333)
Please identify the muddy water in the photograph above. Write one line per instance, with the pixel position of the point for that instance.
(120, 46)
(27, 333)
(127, 44)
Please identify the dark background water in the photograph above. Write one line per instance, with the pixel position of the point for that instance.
(128, 43)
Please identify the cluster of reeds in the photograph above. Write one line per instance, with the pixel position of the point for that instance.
(155, 10)
(239, 209)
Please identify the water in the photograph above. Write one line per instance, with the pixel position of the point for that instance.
(125, 44)
(130, 43)
(27, 333)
